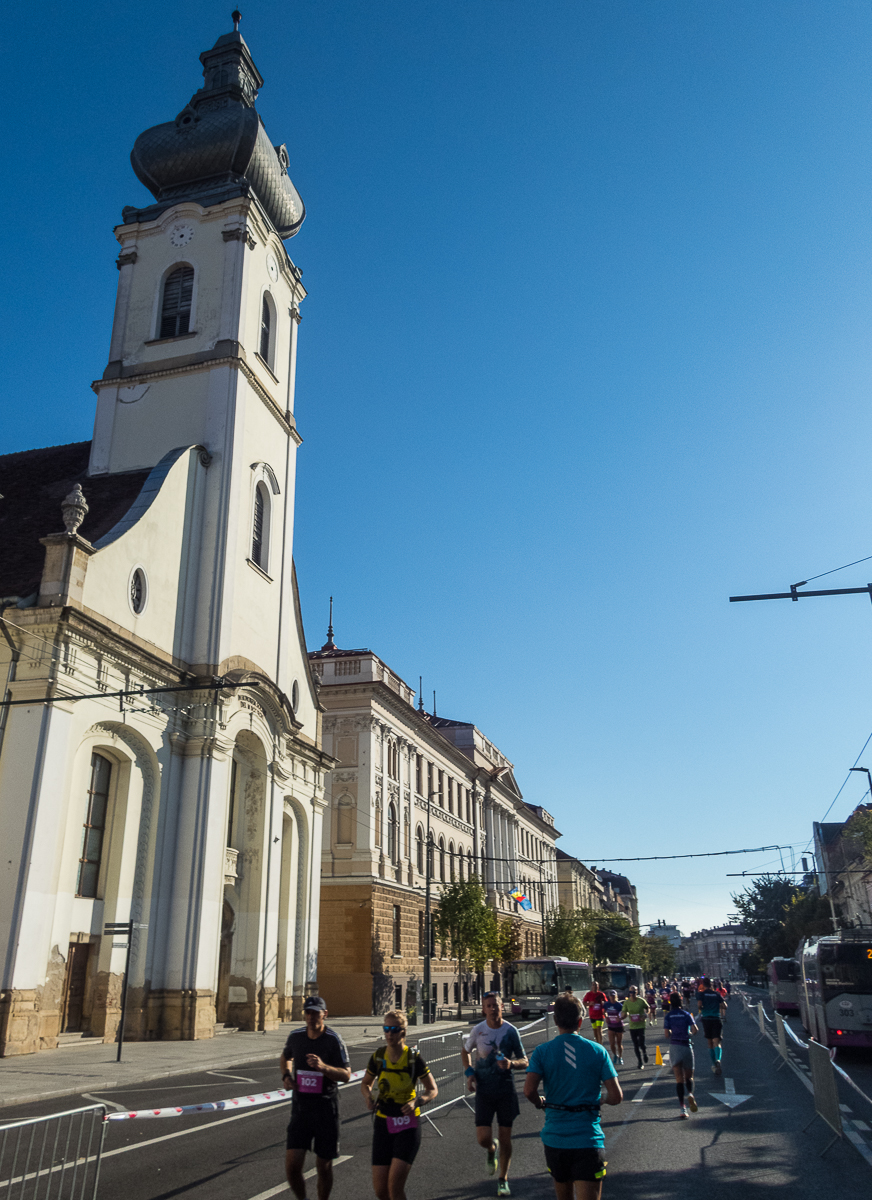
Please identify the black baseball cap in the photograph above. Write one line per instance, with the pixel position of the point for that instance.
(315, 1004)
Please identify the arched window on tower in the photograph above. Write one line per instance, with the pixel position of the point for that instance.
(419, 849)
(178, 294)
(442, 859)
(267, 341)
(451, 861)
(260, 527)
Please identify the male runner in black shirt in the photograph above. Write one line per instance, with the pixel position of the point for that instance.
(313, 1062)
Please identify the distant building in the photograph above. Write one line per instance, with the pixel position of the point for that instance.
(393, 757)
(577, 885)
(715, 952)
(671, 932)
(844, 869)
(619, 895)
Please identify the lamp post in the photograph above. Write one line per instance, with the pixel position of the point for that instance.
(428, 941)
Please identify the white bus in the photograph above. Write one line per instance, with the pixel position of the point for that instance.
(535, 983)
(835, 997)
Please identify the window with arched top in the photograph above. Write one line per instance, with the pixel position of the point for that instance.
(176, 302)
(95, 826)
(419, 849)
(460, 866)
(267, 340)
(469, 866)
(430, 853)
(260, 523)
(451, 860)
(442, 859)
(393, 828)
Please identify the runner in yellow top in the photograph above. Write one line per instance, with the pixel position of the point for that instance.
(396, 1132)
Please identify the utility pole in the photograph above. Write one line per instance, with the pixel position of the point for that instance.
(428, 936)
(115, 929)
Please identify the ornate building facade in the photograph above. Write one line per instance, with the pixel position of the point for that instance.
(395, 761)
(160, 745)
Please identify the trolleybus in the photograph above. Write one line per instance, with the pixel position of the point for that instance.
(535, 983)
(784, 976)
(835, 996)
(620, 977)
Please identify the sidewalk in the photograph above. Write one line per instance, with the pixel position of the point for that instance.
(87, 1067)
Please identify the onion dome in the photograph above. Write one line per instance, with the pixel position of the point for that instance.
(217, 147)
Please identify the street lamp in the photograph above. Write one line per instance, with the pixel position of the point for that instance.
(428, 942)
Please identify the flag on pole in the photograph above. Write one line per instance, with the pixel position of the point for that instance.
(518, 896)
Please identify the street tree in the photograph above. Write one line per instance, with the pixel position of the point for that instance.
(466, 927)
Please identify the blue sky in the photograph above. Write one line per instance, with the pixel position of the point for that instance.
(586, 351)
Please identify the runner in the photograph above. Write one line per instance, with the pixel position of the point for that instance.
(612, 1010)
(396, 1133)
(498, 1049)
(651, 1001)
(712, 1010)
(574, 1071)
(319, 1061)
(594, 1001)
(679, 1024)
(636, 1010)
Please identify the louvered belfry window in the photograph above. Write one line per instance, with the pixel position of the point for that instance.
(257, 530)
(175, 315)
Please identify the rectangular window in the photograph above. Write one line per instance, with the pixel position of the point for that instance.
(95, 826)
(397, 929)
(429, 779)
(419, 771)
(231, 812)
(449, 788)
(441, 789)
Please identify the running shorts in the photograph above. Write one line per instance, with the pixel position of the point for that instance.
(595, 1024)
(568, 1166)
(504, 1107)
(712, 1027)
(388, 1146)
(681, 1056)
(315, 1126)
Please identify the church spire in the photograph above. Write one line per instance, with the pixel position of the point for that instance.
(329, 644)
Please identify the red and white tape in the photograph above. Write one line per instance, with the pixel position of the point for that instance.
(184, 1110)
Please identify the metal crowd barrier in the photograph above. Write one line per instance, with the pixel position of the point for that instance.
(826, 1092)
(53, 1158)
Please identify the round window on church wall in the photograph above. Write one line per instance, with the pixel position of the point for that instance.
(138, 590)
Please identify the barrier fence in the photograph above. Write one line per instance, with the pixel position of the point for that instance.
(53, 1158)
(825, 1076)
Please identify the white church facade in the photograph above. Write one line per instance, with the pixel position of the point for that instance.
(160, 740)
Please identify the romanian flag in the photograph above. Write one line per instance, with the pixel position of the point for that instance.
(521, 899)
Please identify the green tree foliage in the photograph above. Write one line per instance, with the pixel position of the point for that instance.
(860, 825)
(656, 956)
(779, 915)
(568, 932)
(466, 927)
(589, 935)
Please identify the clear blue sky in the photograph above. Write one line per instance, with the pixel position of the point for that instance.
(586, 350)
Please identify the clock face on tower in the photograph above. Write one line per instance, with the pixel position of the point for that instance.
(180, 235)
(273, 267)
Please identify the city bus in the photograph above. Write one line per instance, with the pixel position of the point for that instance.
(835, 994)
(620, 977)
(535, 983)
(784, 976)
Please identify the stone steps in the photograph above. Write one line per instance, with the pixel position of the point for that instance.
(221, 1030)
(76, 1041)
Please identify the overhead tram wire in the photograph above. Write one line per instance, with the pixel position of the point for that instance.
(642, 858)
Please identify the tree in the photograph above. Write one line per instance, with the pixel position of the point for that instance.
(567, 933)
(466, 927)
(509, 944)
(656, 956)
(762, 907)
(614, 938)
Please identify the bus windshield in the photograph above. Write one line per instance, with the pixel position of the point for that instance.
(846, 967)
(577, 978)
(785, 970)
(535, 979)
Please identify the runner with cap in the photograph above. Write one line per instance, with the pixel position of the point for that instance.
(712, 1010)
(313, 1062)
(396, 1131)
(679, 1024)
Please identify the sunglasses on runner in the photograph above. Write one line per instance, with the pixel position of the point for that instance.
(392, 1028)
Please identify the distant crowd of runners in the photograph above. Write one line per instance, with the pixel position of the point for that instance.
(577, 1074)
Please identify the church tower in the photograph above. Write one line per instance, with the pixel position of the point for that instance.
(166, 727)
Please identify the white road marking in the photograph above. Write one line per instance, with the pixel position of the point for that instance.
(611, 1139)
(283, 1187)
(95, 1099)
(642, 1092)
(729, 1096)
(227, 1075)
(165, 1137)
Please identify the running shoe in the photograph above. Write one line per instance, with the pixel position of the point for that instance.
(717, 1069)
(691, 1102)
(620, 1060)
(645, 1056)
(641, 1066)
(493, 1159)
(503, 1188)
(682, 1113)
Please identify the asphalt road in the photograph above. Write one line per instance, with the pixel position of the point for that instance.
(755, 1147)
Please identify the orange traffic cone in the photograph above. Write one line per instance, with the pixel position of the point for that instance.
(658, 1058)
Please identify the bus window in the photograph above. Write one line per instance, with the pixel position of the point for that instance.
(577, 978)
(534, 979)
(846, 968)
